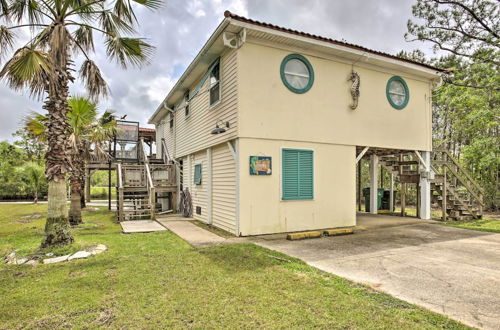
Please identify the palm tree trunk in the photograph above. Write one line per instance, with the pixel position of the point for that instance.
(75, 211)
(83, 203)
(57, 227)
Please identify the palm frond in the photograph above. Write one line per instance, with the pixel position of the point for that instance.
(82, 113)
(4, 8)
(94, 82)
(28, 68)
(123, 9)
(84, 8)
(6, 40)
(35, 124)
(151, 4)
(129, 51)
(21, 9)
(113, 24)
(43, 37)
(84, 38)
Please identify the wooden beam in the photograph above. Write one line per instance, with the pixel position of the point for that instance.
(444, 193)
(391, 202)
(419, 156)
(361, 154)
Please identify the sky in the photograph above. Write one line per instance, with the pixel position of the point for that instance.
(180, 28)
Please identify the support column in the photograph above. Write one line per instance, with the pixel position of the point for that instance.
(391, 196)
(425, 188)
(88, 173)
(359, 184)
(373, 183)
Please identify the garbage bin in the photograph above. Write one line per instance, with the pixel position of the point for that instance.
(366, 193)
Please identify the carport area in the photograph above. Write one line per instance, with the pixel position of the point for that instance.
(451, 271)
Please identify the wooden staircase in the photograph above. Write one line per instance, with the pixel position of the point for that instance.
(452, 187)
(139, 186)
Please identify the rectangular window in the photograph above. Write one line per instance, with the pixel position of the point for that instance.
(186, 103)
(297, 174)
(215, 84)
(197, 174)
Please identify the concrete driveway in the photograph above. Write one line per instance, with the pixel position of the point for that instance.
(451, 271)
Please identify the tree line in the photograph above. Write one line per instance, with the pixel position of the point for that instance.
(466, 107)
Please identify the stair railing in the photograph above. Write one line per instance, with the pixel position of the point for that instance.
(459, 174)
(142, 152)
(120, 192)
(164, 152)
(151, 190)
(149, 182)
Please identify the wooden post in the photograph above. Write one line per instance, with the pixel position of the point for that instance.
(403, 198)
(109, 186)
(480, 208)
(391, 195)
(444, 192)
(88, 173)
(381, 177)
(359, 184)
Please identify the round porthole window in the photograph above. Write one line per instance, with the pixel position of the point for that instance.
(397, 92)
(297, 73)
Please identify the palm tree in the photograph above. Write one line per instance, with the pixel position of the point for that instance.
(62, 30)
(34, 175)
(88, 135)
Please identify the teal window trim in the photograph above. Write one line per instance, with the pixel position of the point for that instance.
(300, 195)
(309, 68)
(197, 174)
(407, 93)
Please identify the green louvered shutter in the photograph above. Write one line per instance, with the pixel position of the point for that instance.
(297, 174)
(197, 174)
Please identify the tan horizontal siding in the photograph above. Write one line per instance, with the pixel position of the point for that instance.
(193, 132)
(223, 189)
(199, 192)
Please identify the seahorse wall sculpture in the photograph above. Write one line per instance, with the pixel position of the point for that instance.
(354, 77)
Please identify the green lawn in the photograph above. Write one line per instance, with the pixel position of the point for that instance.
(156, 280)
(482, 225)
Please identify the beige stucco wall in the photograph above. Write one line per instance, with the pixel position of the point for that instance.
(267, 109)
(263, 212)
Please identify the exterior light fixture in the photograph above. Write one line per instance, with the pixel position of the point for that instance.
(220, 127)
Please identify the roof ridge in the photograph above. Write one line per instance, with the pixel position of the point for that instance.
(228, 14)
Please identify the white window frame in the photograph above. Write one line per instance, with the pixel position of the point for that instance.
(210, 87)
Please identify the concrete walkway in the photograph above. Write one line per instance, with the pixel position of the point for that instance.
(141, 226)
(451, 271)
(191, 233)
